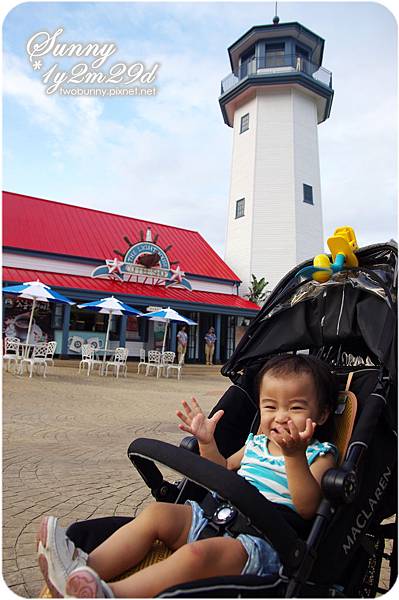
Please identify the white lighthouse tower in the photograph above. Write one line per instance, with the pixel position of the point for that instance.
(274, 99)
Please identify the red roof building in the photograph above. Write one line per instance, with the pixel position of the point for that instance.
(88, 254)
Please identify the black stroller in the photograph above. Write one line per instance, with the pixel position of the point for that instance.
(349, 321)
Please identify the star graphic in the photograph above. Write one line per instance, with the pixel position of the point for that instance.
(114, 266)
(37, 65)
(178, 274)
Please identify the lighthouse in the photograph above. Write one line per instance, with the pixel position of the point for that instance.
(275, 97)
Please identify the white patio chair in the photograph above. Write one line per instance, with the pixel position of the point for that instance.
(142, 360)
(37, 359)
(51, 347)
(11, 351)
(154, 361)
(178, 366)
(167, 359)
(119, 361)
(88, 359)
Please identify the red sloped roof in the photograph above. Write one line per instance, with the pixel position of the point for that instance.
(47, 226)
(160, 294)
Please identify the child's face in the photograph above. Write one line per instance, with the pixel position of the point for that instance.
(289, 397)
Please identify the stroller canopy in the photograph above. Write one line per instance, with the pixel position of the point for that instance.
(351, 314)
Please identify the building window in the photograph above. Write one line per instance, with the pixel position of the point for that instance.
(193, 338)
(58, 316)
(248, 63)
(240, 208)
(132, 329)
(308, 194)
(244, 123)
(302, 60)
(275, 55)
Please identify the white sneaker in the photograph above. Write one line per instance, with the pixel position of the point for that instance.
(85, 583)
(57, 555)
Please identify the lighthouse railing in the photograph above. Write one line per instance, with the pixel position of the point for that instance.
(274, 65)
(228, 83)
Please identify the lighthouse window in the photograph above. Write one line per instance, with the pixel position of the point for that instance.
(244, 123)
(275, 55)
(247, 63)
(302, 53)
(301, 59)
(308, 194)
(240, 208)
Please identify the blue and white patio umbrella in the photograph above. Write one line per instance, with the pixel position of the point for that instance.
(37, 292)
(110, 306)
(166, 315)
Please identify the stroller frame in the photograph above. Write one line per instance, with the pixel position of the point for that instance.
(352, 314)
(341, 553)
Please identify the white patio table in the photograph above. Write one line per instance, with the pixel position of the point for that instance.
(25, 352)
(99, 354)
(26, 349)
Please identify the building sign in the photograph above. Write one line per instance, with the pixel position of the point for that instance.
(16, 318)
(144, 262)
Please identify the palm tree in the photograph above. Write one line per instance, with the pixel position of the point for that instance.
(257, 292)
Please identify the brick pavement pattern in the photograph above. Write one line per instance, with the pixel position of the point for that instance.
(64, 449)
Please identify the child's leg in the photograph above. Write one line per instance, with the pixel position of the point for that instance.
(205, 558)
(169, 523)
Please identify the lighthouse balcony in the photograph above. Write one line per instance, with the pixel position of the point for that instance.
(284, 67)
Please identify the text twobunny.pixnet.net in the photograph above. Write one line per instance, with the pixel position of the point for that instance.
(103, 92)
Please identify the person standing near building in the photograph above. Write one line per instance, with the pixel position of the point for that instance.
(181, 344)
(210, 339)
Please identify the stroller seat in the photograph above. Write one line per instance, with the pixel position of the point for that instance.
(344, 421)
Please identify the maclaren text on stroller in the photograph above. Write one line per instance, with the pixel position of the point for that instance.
(347, 317)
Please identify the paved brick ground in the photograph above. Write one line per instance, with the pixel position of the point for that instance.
(64, 450)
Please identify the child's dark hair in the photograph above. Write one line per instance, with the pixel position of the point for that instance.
(325, 382)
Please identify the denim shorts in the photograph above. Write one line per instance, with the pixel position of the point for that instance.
(262, 558)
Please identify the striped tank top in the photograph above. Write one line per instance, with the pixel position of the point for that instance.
(267, 472)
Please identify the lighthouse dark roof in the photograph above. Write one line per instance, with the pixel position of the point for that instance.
(294, 29)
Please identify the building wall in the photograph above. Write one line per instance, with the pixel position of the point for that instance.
(239, 231)
(25, 261)
(270, 163)
(309, 222)
(273, 241)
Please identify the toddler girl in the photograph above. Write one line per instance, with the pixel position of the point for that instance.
(285, 461)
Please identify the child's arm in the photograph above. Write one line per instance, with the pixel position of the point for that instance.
(303, 481)
(196, 423)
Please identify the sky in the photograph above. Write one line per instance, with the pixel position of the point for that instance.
(166, 158)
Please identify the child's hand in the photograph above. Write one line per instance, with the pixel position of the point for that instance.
(196, 423)
(293, 442)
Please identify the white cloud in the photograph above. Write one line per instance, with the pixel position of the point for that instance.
(29, 94)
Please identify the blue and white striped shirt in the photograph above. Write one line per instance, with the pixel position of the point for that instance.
(267, 472)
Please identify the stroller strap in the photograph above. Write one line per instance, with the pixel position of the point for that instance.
(223, 519)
